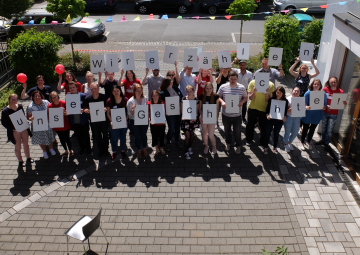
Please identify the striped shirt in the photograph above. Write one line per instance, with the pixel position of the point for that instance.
(226, 89)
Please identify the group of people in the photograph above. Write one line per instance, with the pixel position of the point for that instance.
(128, 93)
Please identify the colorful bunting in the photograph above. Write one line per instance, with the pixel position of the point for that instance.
(266, 12)
(285, 11)
(342, 3)
(68, 19)
(110, 19)
(228, 17)
(196, 17)
(123, 19)
(165, 17)
(179, 17)
(151, 17)
(43, 21)
(304, 9)
(137, 18)
(212, 17)
(98, 21)
(324, 6)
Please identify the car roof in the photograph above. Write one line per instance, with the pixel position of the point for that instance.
(302, 17)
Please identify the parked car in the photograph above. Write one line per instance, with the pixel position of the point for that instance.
(215, 6)
(107, 6)
(304, 19)
(181, 6)
(292, 5)
(81, 29)
(4, 26)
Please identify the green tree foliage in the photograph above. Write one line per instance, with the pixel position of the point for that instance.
(35, 53)
(312, 31)
(244, 8)
(14, 8)
(281, 31)
(63, 8)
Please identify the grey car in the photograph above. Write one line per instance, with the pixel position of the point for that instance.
(81, 29)
(292, 5)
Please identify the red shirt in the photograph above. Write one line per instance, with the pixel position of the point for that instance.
(129, 87)
(150, 103)
(67, 125)
(67, 91)
(201, 86)
(329, 92)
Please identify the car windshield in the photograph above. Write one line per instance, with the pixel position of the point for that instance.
(76, 20)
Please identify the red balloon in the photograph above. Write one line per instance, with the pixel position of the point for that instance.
(60, 69)
(21, 77)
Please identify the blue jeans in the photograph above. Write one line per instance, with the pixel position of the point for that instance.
(292, 126)
(173, 122)
(117, 134)
(236, 123)
(140, 134)
(327, 126)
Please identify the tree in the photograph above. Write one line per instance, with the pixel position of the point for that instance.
(14, 8)
(282, 31)
(33, 53)
(312, 33)
(242, 9)
(67, 8)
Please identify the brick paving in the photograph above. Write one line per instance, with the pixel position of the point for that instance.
(223, 204)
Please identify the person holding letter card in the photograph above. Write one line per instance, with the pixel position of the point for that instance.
(64, 132)
(80, 122)
(208, 130)
(168, 90)
(332, 86)
(129, 82)
(275, 125)
(69, 76)
(43, 138)
(117, 100)
(139, 130)
(157, 130)
(15, 137)
(302, 78)
(188, 126)
(313, 117)
(292, 124)
(232, 119)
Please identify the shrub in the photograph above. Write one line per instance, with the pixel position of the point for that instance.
(312, 33)
(282, 31)
(6, 92)
(82, 61)
(14, 31)
(34, 53)
(254, 62)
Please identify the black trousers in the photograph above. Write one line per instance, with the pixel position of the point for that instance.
(255, 116)
(101, 135)
(309, 130)
(158, 135)
(64, 137)
(83, 136)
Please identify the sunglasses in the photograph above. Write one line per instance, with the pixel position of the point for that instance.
(171, 75)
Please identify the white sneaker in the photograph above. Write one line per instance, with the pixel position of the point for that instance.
(190, 151)
(302, 147)
(53, 152)
(227, 148)
(238, 150)
(187, 156)
(286, 147)
(46, 156)
(291, 147)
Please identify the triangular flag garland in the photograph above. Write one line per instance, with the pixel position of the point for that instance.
(68, 20)
(43, 21)
(165, 16)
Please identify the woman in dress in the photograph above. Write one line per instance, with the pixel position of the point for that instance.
(42, 138)
(313, 117)
(69, 76)
(332, 86)
(209, 97)
(292, 124)
(89, 79)
(157, 130)
(173, 121)
(64, 132)
(15, 137)
(139, 130)
(117, 101)
(274, 124)
(129, 82)
(188, 126)
(302, 78)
